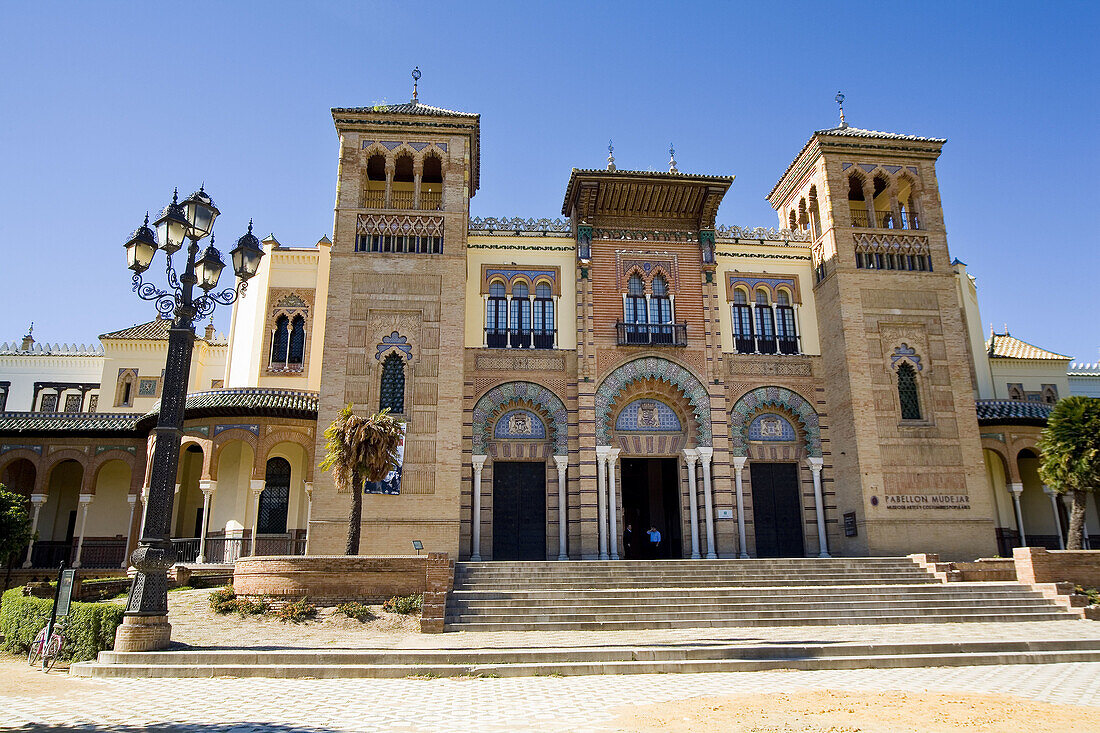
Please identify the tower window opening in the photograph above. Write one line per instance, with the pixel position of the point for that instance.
(907, 392)
(392, 388)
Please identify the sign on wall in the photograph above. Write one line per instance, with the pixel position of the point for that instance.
(391, 484)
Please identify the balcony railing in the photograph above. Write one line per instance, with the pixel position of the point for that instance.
(502, 338)
(225, 550)
(429, 200)
(652, 334)
(766, 345)
(885, 220)
(107, 553)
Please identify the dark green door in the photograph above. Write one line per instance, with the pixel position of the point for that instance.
(519, 510)
(776, 511)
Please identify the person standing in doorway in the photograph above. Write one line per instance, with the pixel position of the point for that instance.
(628, 542)
(654, 542)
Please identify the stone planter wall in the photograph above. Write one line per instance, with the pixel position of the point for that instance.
(1038, 565)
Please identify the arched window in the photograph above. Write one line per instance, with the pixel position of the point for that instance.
(544, 317)
(271, 517)
(660, 311)
(785, 330)
(431, 184)
(280, 341)
(765, 323)
(521, 316)
(496, 317)
(907, 203)
(636, 311)
(857, 202)
(374, 188)
(742, 323)
(401, 193)
(907, 392)
(297, 341)
(884, 211)
(392, 392)
(815, 213)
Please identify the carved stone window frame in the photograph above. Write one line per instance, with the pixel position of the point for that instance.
(281, 305)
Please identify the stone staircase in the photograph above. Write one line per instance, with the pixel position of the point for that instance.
(626, 595)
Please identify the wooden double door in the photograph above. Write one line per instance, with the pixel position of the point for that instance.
(519, 510)
(776, 509)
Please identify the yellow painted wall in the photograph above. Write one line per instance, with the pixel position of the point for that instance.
(109, 512)
(807, 311)
(1032, 373)
(505, 251)
(148, 357)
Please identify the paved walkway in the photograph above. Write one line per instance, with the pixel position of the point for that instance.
(474, 705)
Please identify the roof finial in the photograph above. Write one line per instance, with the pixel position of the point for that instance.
(1006, 330)
(672, 159)
(28, 340)
(610, 156)
(416, 78)
(840, 103)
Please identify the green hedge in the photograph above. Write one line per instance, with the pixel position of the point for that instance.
(90, 627)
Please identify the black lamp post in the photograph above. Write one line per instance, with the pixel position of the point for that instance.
(145, 626)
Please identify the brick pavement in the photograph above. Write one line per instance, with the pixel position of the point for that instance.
(458, 705)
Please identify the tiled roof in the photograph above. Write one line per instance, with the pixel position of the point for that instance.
(44, 349)
(1080, 369)
(1012, 412)
(849, 131)
(407, 108)
(245, 401)
(1005, 346)
(154, 330)
(67, 422)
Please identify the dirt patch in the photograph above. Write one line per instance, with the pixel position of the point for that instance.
(194, 624)
(828, 711)
(19, 679)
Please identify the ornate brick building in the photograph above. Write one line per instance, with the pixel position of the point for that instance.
(568, 384)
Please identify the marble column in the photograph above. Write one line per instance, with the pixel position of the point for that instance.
(562, 463)
(691, 457)
(207, 488)
(706, 453)
(1057, 517)
(144, 508)
(742, 536)
(85, 502)
(1016, 489)
(131, 499)
(256, 487)
(37, 500)
(475, 519)
(819, 503)
(612, 501)
(307, 487)
(601, 496)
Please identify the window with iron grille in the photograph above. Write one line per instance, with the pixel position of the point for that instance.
(907, 392)
(271, 518)
(297, 340)
(393, 384)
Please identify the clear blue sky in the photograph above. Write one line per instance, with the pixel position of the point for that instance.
(106, 106)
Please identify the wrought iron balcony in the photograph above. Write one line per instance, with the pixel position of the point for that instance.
(503, 338)
(652, 334)
(766, 345)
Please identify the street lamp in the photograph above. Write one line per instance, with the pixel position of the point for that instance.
(145, 625)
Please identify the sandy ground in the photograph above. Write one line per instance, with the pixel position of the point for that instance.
(195, 625)
(829, 711)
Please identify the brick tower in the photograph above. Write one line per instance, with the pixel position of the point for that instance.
(394, 334)
(904, 438)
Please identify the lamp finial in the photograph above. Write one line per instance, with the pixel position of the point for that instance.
(610, 156)
(840, 103)
(672, 159)
(416, 78)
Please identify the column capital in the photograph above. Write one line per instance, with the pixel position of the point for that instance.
(691, 456)
(307, 486)
(602, 452)
(132, 499)
(705, 454)
(207, 486)
(1016, 488)
(256, 486)
(144, 493)
(1049, 491)
(478, 461)
(39, 498)
(739, 462)
(613, 454)
(562, 463)
(87, 498)
(815, 464)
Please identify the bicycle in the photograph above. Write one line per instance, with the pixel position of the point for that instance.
(49, 652)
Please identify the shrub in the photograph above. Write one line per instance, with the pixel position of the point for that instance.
(296, 612)
(1091, 593)
(225, 600)
(356, 610)
(403, 604)
(90, 627)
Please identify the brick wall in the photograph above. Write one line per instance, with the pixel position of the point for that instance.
(1039, 565)
(333, 579)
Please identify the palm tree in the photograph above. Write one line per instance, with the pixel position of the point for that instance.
(357, 449)
(1070, 446)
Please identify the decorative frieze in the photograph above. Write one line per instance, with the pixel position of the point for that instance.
(519, 363)
(741, 365)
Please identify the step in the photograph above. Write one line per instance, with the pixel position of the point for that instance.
(735, 608)
(1050, 614)
(575, 661)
